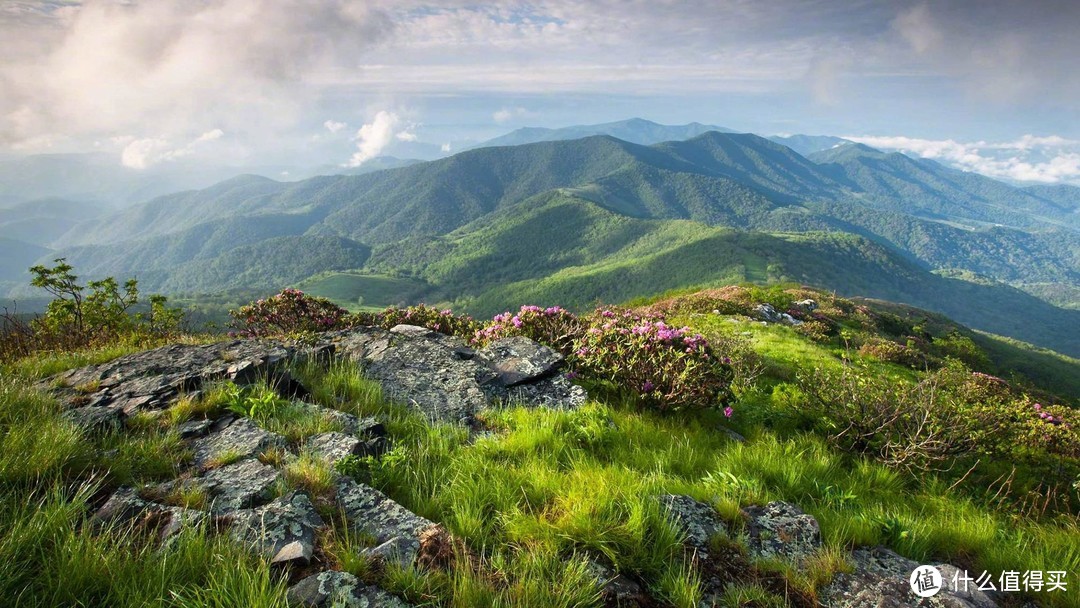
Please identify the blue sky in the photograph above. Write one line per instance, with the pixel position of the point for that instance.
(987, 85)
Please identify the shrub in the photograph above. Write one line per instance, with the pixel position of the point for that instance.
(94, 314)
(289, 312)
(666, 367)
(891, 352)
(442, 321)
(961, 347)
(914, 428)
(817, 330)
(554, 326)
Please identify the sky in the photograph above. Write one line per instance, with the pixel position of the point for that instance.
(986, 85)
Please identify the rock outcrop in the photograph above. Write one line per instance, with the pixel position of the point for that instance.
(440, 376)
(448, 381)
(778, 530)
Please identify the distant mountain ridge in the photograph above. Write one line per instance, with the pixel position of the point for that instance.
(638, 209)
(633, 130)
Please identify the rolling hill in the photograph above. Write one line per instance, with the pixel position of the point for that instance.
(566, 219)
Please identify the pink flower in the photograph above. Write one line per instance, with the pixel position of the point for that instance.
(728, 411)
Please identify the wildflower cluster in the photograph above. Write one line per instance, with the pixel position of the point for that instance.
(667, 367)
(553, 326)
(289, 312)
(443, 321)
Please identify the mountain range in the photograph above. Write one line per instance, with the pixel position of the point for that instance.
(569, 221)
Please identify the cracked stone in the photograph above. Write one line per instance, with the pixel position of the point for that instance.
(880, 580)
(95, 418)
(697, 520)
(125, 507)
(517, 360)
(781, 530)
(371, 511)
(241, 438)
(282, 530)
(240, 485)
(339, 590)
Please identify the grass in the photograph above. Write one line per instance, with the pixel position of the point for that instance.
(531, 503)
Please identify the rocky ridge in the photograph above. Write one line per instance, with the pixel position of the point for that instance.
(447, 381)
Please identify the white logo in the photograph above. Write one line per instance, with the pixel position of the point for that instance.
(925, 581)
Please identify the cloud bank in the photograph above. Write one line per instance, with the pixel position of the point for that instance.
(1029, 158)
(268, 72)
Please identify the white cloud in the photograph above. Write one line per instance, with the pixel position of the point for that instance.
(334, 126)
(101, 67)
(142, 153)
(507, 114)
(406, 136)
(1030, 158)
(375, 136)
(445, 147)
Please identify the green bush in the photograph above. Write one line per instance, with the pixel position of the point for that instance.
(287, 313)
(554, 326)
(80, 316)
(443, 321)
(666, 367)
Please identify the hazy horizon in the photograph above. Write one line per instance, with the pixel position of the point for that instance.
(982, 86)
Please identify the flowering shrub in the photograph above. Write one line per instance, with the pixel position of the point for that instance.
(553, 326)
(891, 352)
(442, 321)
(289, 312)
(666, 367)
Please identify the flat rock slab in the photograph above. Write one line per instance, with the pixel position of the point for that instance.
(423, 371)
(334, 446)
(517, 360)
(372, 512)
(153, 379)
(240, 439)
(240, 485)
(881, 580)
(339, 590)
(125, 507)
(781, 530)
(96, 418)
(283, 530)
(449, 382)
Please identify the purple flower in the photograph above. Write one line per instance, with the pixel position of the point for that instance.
(516, 321)
(571, 375)
(648, 386)
(728, 411)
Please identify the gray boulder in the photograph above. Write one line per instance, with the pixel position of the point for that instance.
(697, 520)
(781, 530)
(339, 590)
(618, 590)
(240, 485)
(447, 381)
(334, 446)
(881, 580)
(96, 418)
(397, 530)
(283, 530)
(240, 438)
(125, 507)
(154, 379)
(517, 360)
